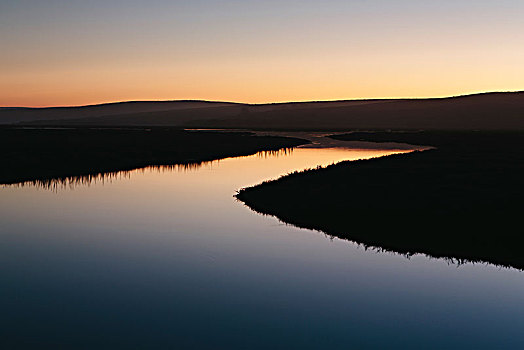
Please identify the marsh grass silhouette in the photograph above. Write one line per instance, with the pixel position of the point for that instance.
(461, 201)
(72, 182)
(50, 157)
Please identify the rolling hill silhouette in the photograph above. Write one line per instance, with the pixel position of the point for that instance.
(487, 111)
(10, 115)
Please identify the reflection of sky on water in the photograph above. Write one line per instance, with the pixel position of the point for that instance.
(101, 178)
(170, 259)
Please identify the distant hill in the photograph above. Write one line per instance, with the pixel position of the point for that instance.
(10, 115)
(487, 111)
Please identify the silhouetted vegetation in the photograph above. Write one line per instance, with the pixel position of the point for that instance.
(45, 154)
(462, 200)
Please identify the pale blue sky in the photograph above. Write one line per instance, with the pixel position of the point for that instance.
(74, 40)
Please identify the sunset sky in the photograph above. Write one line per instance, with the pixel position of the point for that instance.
(82, 52)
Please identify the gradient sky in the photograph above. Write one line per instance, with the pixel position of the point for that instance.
(92, 51)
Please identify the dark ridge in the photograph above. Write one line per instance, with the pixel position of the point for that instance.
(486, 111)
(170, 117)
(461, 201)
(495, 111)
(60, 114)
(43, 155)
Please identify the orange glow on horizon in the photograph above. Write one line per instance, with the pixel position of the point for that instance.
(254, 53)
(79, 102)
(277, 80)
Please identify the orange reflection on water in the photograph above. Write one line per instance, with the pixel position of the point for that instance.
(231, 173)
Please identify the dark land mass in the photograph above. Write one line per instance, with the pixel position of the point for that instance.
(61, 114)
(487, 111)
(41, 155)
(462, 200)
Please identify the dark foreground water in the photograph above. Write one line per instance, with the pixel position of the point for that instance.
(168, 259)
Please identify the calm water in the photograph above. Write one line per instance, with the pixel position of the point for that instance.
(169, 259)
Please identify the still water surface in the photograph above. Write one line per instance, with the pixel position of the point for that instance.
(167, 258)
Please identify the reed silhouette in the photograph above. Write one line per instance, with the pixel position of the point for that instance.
(462, 200)
(108, 177)
(50, 157)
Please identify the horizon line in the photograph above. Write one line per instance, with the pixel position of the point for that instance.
(267, 103)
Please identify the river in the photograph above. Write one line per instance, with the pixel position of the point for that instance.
(167, 258)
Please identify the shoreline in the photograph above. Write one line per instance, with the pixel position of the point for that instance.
(461, 200)
(55, 154)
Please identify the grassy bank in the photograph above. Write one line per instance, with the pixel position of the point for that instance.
(462, 200)
(45, 154)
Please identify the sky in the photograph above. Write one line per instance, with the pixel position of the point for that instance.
(59, 53)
